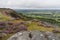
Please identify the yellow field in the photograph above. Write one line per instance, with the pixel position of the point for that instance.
(34, 26)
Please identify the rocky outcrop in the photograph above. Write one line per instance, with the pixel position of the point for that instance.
(35, 35)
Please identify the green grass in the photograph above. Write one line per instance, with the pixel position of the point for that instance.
(47, 19)
(4, 17)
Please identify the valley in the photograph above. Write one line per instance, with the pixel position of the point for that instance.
(12, 22)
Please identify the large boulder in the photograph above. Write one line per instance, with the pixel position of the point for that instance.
(34, 35)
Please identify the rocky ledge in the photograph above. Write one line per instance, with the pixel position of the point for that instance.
(34, 35)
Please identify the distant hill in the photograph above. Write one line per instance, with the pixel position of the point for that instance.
(34, 10)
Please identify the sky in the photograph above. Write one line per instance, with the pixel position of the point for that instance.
(30, 4)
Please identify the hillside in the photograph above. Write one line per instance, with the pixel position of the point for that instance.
(8, 14)
(11, 22)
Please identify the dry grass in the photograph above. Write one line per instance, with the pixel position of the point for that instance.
(31, 26)
(34, 26)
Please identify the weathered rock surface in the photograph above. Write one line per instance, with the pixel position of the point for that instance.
(34, 35)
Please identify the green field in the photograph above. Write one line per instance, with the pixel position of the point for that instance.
(51, 17)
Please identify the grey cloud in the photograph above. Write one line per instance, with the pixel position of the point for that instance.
(30, 3)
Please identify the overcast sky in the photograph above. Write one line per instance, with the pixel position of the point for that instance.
(18, 4)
